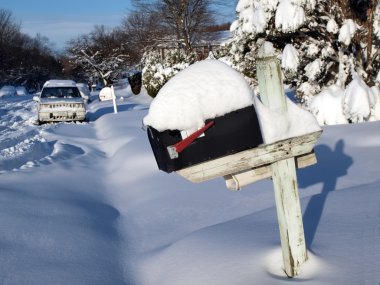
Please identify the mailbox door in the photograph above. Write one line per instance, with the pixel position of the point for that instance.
(231, 133)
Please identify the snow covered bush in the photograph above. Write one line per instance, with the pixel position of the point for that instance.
(157, 70)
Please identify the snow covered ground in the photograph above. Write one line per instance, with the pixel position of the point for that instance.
(85, 204)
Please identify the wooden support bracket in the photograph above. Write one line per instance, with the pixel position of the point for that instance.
(237, 181)
(252, 159)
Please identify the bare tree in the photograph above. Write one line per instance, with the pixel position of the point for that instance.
(8, 27)
(180, 21)
(24, 60)
(9, 32)
(99, 54)
(142, 27)
(187, 19)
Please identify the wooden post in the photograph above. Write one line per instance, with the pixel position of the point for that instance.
(284, 171)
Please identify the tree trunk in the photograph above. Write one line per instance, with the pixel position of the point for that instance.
(370, 34)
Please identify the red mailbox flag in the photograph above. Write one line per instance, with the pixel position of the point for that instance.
(181, 145)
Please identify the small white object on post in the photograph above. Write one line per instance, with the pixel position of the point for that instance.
(114, 100)
(284, 171)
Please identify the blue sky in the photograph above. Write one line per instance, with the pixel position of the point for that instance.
(62, 20)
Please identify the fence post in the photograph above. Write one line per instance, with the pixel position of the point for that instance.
(284, 171)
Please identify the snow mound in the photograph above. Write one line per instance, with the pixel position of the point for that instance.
(204, 90)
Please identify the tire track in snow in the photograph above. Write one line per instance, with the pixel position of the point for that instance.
(22, 142)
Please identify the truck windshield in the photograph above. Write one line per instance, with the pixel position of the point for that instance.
(60, 92)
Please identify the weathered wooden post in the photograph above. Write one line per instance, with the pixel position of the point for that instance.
(283, 171)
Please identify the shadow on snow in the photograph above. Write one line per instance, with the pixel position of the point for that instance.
(332, 164)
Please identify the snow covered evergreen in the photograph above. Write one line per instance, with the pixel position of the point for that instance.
(320, 44)
(159, 69)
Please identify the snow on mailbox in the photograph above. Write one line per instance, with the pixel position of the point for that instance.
(205, 112)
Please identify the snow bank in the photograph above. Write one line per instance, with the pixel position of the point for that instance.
(108, 216)
(204, 90)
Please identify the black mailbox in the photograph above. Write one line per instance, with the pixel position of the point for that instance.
(234, 132)
(135, 81)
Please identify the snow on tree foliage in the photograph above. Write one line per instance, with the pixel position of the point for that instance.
(98, 64)
(289, 17)
(347, 31)
(321, 43)
(327, 106)
(290, 58)
(375, 112)
(358, 101)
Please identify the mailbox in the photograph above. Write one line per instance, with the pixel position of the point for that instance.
(234, 132)
(135, 81)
